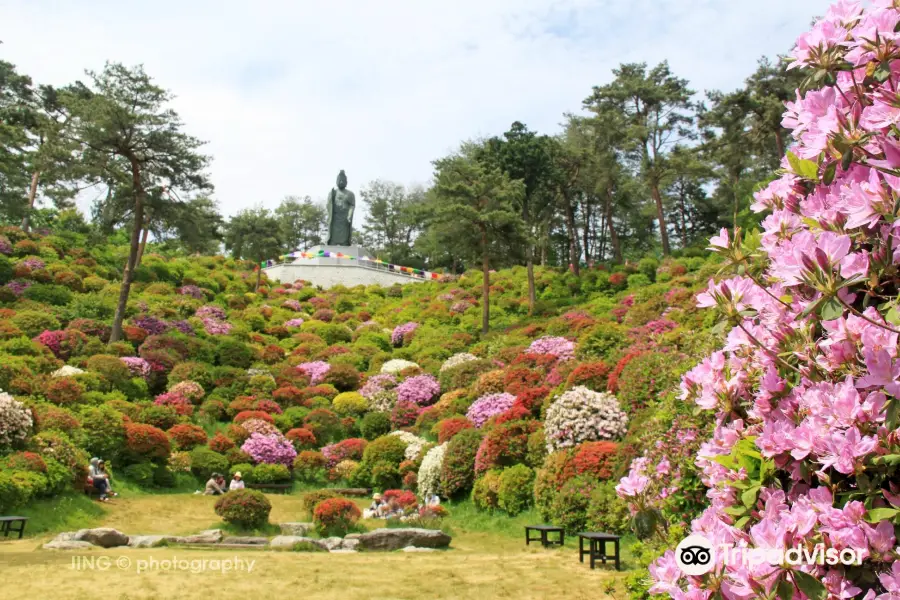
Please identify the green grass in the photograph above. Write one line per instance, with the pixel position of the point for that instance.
(63, 513)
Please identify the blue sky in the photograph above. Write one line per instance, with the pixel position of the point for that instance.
(289, 92)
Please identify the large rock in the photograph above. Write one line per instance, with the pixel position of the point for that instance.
(246, 540)
(209, 536)
(296, 528)
(288, 542)
(67, 545)
(106, 537)
(147, 541)
(332, 543)
(350, 545)
(395, 539)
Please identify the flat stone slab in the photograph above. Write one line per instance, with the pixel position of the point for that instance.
(67, 545)
(296, 528)
(105, 537)
(395, 539)
(246, 540)
(209, 536)
(414, 549)
(287, 542)
(147, 541)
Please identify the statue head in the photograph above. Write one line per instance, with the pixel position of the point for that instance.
(341, 180)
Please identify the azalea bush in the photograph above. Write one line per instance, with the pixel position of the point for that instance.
(429, 475)
(488, 406)
(582, 415)
(271, 449)
(248, 509)
(335, 516)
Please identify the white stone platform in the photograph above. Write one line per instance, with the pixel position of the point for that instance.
(331, 271)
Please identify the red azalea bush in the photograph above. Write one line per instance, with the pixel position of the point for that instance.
(447, 428)
(187, 436)
(50, 417)
(268, 406)
(596, 458)
(25, 461)
(404, 498)
(253, 414)
(532, 399)
(145, 442)
(612, 385)
(221, 444)
(504, 445)
(288, 396)
(64, 391)
(519, 379)
(592, 375)
(324, 424)
(335, 516)
(244, 508)
(302, 438)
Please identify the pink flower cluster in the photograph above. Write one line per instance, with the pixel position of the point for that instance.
(182, 405)
(214, 326)
(316, 370)
(809, 378)
(488, 406)
(293, 323)
(420, 390)
(138, 366)
(191, 290)
(270, 449)
(559, 347)
(5, 246)
(210, 310)
(292, 304)
(18, 287)
(401, 331)
(33, 263)
(378, 383)
(191, 390)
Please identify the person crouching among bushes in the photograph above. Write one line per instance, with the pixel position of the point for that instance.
(215, 486)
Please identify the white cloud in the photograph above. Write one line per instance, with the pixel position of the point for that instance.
(287, 93)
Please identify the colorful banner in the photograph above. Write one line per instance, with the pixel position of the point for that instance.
(326, 254)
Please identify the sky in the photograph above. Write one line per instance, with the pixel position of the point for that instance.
(288, 92)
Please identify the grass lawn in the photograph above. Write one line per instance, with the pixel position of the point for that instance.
(487, 559)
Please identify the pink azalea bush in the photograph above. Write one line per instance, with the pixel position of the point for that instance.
(191, 290)
(293, 323)
(805, 390)
(212, 311)
(190, 390)
(15, 421)
(378, 383)
(214, 326)
(421, 390)
(559, 347)
(270, 449)
(488, 406)
(292, 304)
(316, 370)
(182, 405)
(138, 366)
(400, 331)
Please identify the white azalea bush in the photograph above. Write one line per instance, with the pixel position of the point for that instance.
(15, 421)
(396, 365)
(414, 443)
(429, 476)
(457, 359)
(67, 371)
(583, 415)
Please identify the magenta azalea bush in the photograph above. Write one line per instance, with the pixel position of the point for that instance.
(488, 406)
(805, 390)
(191, 290)
(316, 370)
(270, 449)
(293, 322)
(421, 390)
(138, 366)
(378, 383)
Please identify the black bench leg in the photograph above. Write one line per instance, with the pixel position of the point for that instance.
(616, 542)
(527, 537)
(581, 549)
(593, 552)
(562, 538)
(544, 541)
(21, 529)
(602, 545)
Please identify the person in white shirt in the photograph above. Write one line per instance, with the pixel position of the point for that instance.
(236, 482)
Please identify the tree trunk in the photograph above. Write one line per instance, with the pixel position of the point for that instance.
(485, 283)
(572, 234)
(684, 240)
(585, 208)
(601, 243)
(779, 141)
(532, 294)
(258, 276)
(663, 229)
(140, 255)
(32, 193)
(734, 195)
(138, 187)
(613, 235)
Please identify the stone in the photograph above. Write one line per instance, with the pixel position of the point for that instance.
(105, 537)
(343, 551)
(67, 545)
(65, 536)
(296, 528)
(395, 539)
(208, 536)
(246, 540)
(146, 541)
(414, 549)
(350, 545)
(287, 542)
(332, 543)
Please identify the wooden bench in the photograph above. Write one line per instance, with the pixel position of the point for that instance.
(597, 542)
(7, 523)
(544, 530)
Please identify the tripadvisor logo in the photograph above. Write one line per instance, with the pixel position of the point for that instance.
(695, 555)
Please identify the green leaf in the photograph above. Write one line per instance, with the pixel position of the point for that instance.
(830, 170)
(785, 590)
(891, 460)
(846, 159)
(893, 316)
(740, 523)
(832, 309)
(880, 514)
(893, 414)
(810, 586)
(813, 307)
(748, 498)
(803, 167)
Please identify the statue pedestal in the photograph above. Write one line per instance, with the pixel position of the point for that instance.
(354, 251)
(329, 271)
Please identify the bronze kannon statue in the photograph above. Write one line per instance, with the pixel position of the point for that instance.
(341, 203)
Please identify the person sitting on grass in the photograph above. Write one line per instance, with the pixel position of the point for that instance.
(99, 478)
(104, 473)
(432, 500)
(214, 485)
(237, 483)
(373, 512)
